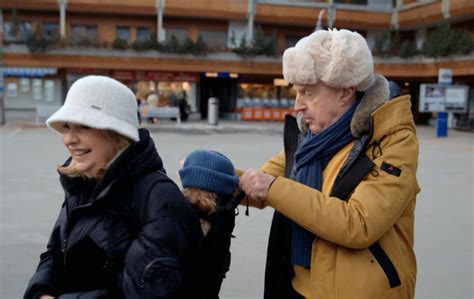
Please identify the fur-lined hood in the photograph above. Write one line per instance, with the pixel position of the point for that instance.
(373, 98)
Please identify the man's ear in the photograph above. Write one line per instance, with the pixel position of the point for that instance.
(348, 95)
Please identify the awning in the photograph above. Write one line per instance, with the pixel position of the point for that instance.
(30, 72)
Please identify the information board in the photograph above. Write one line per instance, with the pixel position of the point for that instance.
(443, 98)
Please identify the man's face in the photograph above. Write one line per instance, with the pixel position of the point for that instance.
(320, 104)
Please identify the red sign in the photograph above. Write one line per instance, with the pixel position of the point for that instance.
(131, 75)
(88, 71)
(155, 76)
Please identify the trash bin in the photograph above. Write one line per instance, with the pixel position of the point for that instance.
(213, 111)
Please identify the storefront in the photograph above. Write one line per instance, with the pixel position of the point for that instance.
(27, 90)
(264, 101)
(151, 88)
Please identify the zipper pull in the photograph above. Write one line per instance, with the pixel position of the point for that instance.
(63, 245)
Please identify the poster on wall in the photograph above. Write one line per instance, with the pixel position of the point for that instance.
(37, 89)
(49, 91)
(12, 90)
(24, 85)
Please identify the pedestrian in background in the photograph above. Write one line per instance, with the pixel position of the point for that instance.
(344, 187)
(124, 230)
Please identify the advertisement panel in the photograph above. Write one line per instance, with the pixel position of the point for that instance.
(443, 98)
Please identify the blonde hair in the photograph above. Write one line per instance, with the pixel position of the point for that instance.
(120, 143)
(203, 201)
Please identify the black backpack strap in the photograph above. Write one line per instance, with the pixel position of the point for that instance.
(353, 176)
(343, 189)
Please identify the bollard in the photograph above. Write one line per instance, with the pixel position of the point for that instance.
(442, 124)
(213, 111)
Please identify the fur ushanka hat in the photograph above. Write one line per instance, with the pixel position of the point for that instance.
(339, 59)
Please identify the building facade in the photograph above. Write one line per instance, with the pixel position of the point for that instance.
(167, 51)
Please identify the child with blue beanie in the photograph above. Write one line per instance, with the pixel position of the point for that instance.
(210, 183)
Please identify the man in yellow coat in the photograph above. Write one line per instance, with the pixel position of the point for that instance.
(344, 187)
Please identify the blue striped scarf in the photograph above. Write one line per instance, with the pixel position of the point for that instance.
(311, 157)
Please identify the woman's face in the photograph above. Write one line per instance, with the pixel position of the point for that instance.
(91, 149)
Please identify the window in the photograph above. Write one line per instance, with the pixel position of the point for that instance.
(291, 40)
(9, 32)
(123, 33)
(50, 30)
(180, 34)
(80, 32)
(76, 31)
(216, 40)
(25, 31)
(91, 31)
(143, 33)
(20, 32)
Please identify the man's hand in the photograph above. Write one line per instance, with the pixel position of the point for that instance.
(255, 184)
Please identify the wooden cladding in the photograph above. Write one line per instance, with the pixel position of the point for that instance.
(399, 70)
(287, 15)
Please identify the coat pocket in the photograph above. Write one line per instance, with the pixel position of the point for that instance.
(386, 265)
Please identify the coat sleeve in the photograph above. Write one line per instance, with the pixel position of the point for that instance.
(43, 281)
(275, 167)
(374, 207)
(154, 263)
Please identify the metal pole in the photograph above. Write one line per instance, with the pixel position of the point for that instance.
(2, 107)
(62, 17)
(395, 12)
(331, 14)
(160, 33)
(445, 9)
(319, 24)
(251, 15)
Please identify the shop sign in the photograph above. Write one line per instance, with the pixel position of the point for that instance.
(124, 75)
(88, 71)
(172, 76)
(28, 72)
(445, 75)
(155, 76)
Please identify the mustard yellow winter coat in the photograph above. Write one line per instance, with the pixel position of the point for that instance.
(381, 208)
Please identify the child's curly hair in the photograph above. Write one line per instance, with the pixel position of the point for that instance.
(203, 201)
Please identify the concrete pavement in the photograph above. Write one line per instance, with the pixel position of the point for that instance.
(30, 197)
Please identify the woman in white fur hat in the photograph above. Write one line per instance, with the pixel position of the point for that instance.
(124, 230)
(344, 187)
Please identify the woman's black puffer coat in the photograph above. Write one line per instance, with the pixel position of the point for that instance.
(130, 235)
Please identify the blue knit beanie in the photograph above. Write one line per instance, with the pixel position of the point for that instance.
(210, 171)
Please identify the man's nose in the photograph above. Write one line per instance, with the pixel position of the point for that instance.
(299, 104)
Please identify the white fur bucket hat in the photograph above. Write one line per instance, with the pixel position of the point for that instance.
(99, 102)
(338, 58)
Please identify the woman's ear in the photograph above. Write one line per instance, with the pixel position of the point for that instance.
(348, 95)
